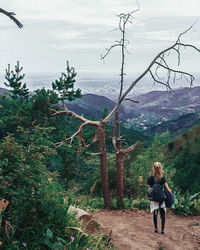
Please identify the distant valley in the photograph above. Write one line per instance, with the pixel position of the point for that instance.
(157, 111)
(157, 107)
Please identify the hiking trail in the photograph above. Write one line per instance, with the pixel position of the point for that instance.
(133, 230)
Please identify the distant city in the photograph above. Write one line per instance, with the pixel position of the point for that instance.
(100, 85)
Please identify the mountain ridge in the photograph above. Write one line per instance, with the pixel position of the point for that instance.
(155, 110)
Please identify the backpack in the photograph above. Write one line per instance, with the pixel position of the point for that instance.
(150, 194)
(158, 193)
(169, 200)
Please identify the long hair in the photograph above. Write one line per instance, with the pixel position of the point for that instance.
(157, 170)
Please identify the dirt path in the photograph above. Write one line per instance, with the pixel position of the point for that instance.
(133, 230)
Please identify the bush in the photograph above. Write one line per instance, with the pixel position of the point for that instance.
(141, 204)
(186, 204)
(35, 199)
(89, 203)
(37, 216)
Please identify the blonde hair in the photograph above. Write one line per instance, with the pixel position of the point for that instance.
(157, 170)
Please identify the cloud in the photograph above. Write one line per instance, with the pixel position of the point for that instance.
(81, 30)
(169, 8)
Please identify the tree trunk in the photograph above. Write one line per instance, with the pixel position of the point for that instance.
(104, 166)
(120, 177)
(119, 163)
(120, 155)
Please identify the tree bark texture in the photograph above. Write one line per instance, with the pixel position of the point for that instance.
(104, 166)
(120, 178)
(119, 162)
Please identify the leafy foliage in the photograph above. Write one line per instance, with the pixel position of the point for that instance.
(35, 175)
(141, 204)
(37, 216)
(34, 200)
(183, 154)
(186, 204)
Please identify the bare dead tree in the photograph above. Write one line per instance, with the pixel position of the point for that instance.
(99, 138)
(11, 16)
(124, 19)
(159, 62)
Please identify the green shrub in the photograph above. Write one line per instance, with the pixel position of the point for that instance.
(141, 204)
(186, 204)
(37, 216)
(35, 199)
(90, 203)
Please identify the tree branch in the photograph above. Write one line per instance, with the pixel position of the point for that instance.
(131, 148)
(95, 139)
(73, 114)
(109, 49)
(188, 45)
(184, 32)
(128, 99)
(160, 82)
(148, 70)
(11, 16)
(78, 132)
(176, 71)
(93, 154)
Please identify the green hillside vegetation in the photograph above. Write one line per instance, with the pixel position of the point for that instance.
(180, 157)
(34, 174)
(40, 181)
(184, 155)
(176, 126)
(181, 174)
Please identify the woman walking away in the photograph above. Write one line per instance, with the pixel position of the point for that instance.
(159, 180)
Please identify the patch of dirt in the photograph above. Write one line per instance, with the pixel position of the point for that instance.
(133, 230)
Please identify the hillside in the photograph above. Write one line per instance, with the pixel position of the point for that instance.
(156, 111)
(184, 154)
(91, 105)
(176, 125)
(160, 106)
(185, 100)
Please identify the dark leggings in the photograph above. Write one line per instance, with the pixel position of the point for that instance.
(162, 216)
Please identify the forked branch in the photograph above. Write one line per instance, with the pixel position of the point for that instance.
(79, 134)
(131, 148)
(79, 131)
(74, 115)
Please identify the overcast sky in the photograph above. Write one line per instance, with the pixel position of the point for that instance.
(80, 31)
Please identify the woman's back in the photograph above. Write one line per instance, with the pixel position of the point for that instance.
(152, 180)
